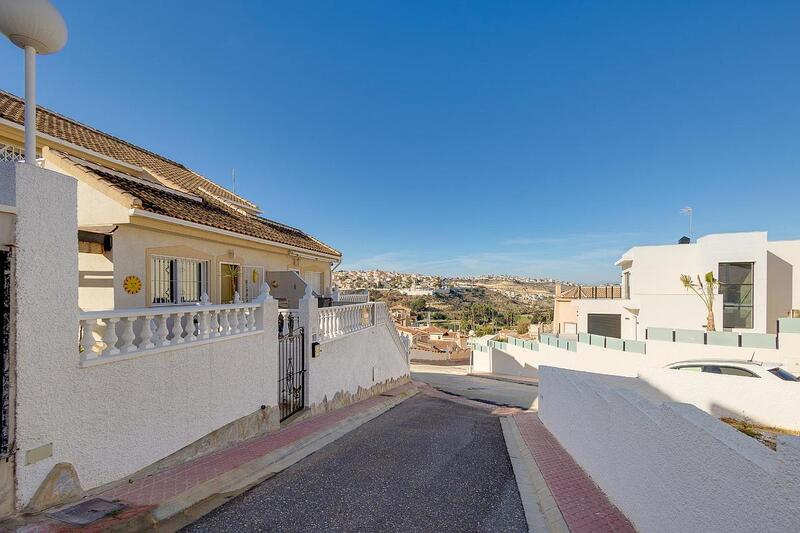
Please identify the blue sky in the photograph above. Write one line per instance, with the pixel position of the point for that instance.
(533, 138)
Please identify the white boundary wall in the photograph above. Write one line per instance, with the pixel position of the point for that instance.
(771, 403)
(765, 402)
(110, 420)
(361, 359)
(516, 360)
(668, 466)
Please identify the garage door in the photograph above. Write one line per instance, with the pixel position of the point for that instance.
(607, 325)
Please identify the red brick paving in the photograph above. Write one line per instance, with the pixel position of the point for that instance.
(585, 507)
(169, 483)
(145, 493)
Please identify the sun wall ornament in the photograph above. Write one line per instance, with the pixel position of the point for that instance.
(132, 284)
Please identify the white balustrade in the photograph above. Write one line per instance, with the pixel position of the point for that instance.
(345, 319)
(109, 334)
(353, 298)
(382, 316)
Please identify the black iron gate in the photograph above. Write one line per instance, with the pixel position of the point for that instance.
(291, 365)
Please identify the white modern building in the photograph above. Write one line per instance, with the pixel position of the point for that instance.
(759, 283)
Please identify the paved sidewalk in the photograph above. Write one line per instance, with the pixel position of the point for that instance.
(171, 488)
(583, 505)
(173, 481)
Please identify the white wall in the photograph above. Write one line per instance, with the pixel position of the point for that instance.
(789, 251)
(772, 403)
(657, 292)
(779, 289)
(669, 467)
(360, 359)
(110, 420)
(516, 360)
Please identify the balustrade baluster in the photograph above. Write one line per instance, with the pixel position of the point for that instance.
(224, 325)
(147, 333)
(128, 336)
(251, 319)
(234, 318)
(88, 340)
(203, 333)
(190, 328)
(177, 329)
(110, 338)
(162, 332)
(215, 323)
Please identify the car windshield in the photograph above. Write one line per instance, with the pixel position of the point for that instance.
(783, 374)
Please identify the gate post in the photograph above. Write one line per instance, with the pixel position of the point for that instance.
(267, 320)
(309, 320)
(45, 323)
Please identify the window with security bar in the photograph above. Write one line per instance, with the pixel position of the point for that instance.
(177, 280)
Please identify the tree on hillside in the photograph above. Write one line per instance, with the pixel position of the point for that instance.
(418, 305)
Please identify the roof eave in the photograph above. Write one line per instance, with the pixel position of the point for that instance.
(173, 220)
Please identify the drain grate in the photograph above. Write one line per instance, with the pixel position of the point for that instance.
(87, 512)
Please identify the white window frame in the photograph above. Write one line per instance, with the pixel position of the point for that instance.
(244, 281)
(177, 298)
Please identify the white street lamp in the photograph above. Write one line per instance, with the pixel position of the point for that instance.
(37, 27)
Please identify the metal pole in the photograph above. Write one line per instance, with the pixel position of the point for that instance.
(30, 105)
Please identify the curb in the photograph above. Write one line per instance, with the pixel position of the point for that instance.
(541, 510)
(504, 378)
(187, 507)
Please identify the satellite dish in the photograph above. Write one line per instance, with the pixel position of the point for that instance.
(35, 23)
(37, 27)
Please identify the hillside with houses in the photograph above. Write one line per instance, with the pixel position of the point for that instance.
(484, 304)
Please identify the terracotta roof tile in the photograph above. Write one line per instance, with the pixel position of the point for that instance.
(156, 200)
(161, 202)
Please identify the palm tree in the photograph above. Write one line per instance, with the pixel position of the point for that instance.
(705, 293)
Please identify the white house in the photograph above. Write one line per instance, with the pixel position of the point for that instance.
(140, 318)
(759, 283)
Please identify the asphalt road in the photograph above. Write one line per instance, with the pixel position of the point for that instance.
(453, 379)
(426, 465)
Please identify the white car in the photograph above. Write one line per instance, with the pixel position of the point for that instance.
(735, 367)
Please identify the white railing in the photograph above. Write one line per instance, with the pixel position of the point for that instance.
(345, 319)
(114, 333)
(353, 298)
(382, 316)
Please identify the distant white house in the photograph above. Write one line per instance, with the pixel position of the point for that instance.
(759, 283)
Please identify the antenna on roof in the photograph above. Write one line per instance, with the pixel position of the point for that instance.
(38, 28)
(688, 211)
(233, 175)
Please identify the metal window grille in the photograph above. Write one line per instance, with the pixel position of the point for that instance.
(177, 280)
(11, 153)
(193, 279)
